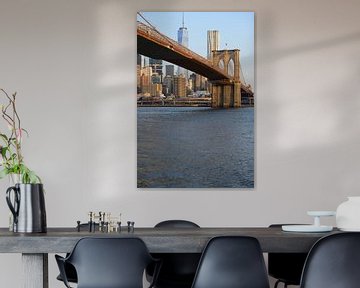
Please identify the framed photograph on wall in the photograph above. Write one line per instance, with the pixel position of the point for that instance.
(195, 100)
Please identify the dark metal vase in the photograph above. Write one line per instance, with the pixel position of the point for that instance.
(27, 207)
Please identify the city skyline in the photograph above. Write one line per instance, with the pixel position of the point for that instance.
(236, 31)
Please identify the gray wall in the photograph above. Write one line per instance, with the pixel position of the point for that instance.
(73, 64)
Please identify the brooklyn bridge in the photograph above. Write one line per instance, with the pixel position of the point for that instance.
(223, 71)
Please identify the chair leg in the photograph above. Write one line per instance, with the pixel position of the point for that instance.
(279, 281)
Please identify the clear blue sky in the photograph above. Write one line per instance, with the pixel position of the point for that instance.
(236, 31)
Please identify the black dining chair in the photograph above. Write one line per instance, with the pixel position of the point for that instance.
(70, 271)
(178, 269)
(285, 267)
(333, 262)
(232, 262)
(108, 263)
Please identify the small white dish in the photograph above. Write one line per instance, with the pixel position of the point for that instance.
(306, 228)
(318, 214)
(316, 227)
(321, 213)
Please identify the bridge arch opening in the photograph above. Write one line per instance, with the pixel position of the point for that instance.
(231, 67)
(221, 64)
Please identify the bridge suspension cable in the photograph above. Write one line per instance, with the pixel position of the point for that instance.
(154, 28)
(242, 78)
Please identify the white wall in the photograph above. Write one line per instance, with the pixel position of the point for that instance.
(73, 64)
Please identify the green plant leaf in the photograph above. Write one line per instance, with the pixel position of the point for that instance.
(3, 173)
(26, 132)
(4, 137)
(3, 151)
(33, 178)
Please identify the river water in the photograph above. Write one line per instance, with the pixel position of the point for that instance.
(185, 147)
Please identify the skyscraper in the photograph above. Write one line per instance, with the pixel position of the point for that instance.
(168, 85)
(145, 79)
(138, 73)
(212, 42)
(180, 86)
(156, 66)
(169, 70)
(183, 39)
(183, 36)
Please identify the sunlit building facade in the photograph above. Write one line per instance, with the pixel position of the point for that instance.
(180, 86)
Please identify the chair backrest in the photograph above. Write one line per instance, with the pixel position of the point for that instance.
(286, 267)
(232, 262)
(178, 269)
(333, 262)
(176, 224)
(110, 262)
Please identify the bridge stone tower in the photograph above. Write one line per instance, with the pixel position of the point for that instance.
(227, 94)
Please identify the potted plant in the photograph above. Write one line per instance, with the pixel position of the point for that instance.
(11, 159)
(26, 198)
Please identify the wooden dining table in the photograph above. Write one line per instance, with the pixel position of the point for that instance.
(35, 247)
